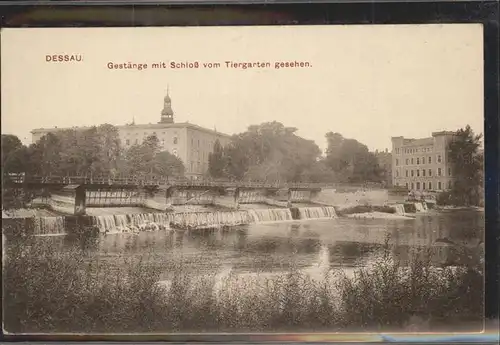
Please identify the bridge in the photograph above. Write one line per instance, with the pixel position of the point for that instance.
(112, 191)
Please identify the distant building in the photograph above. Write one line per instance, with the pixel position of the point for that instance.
(422, 164)
(384, 159)
(191, 143)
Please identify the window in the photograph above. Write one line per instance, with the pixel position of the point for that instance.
(127, 142)
(439, 185)
(418, 161)
(423, 172)
(439, 159)
(449, 184)
(439, 171)
(397, 173)
(418, 172)
(397, 162)
(412, 185)
(412, 161)
(449, 171)
(430, 172)
(407, 161)
(430, 185)
(423, 185)
(430, 160)
(418, 185)
(412, 173)
(406, 173)
(175, 140)
(406, 185)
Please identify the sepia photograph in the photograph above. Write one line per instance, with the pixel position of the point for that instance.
(243, 179)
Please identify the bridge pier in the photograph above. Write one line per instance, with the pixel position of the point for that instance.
(80, 201)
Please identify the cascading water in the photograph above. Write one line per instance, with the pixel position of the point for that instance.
(420, 207)
(317, 212)
(198, 220)
(132, 222)
(400, 209)
(48, 226)
(270, 215)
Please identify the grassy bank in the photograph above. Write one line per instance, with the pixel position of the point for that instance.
(49, 291)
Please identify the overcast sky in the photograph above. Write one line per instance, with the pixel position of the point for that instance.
(366, 82)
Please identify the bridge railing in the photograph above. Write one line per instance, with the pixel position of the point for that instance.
(166, 181)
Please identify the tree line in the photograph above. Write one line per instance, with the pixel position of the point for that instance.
(272, 151)
(266, 152)
(96, 150)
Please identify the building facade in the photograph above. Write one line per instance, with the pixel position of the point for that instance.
(422, 164)
(191, 143)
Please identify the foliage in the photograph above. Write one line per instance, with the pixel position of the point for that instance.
(269, 151)
(50, 290)
(14, 154)
(216, 161)
(350, 160)
(95, 150)
(467, 169)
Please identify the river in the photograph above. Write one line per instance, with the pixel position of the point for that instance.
(306, 244)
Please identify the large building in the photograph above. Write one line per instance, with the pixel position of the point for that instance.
(422, 164)
(191, 143)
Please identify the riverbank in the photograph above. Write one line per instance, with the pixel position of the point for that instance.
(72, 292)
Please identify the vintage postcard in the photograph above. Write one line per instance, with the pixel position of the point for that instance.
(243, 179)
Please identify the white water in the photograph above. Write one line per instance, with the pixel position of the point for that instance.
(400, 209)
(134, 223)
(270, 215)
(421, 207)
(317, 212)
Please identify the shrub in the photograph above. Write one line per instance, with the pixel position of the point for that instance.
(47, 289)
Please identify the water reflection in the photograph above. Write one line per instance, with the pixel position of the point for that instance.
(276, 246)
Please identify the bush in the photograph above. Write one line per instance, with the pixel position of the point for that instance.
(49, 290)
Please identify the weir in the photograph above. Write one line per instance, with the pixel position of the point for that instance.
(133, 223)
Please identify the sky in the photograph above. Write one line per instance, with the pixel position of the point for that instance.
(367, 82)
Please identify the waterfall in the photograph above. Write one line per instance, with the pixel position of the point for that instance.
(132, 222)
(270, 215)
(317, 212)
(400, 209)
(200, 220)
(420, 207)
(48, 226)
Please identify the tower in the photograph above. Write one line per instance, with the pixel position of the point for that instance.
(167, 114)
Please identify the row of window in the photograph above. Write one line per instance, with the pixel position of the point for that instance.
(416, 173)
(412, 150)
(426, 185)
(418, 161)
(128, 141)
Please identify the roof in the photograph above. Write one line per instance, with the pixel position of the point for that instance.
(140, 126)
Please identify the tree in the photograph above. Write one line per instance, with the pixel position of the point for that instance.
(217, 161)
(467, 167)
(269, 151)
(351, 160)
(45, 156)
(14, 154)
(166, 164)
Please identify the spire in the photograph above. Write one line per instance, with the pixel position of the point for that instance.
(167, 114)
